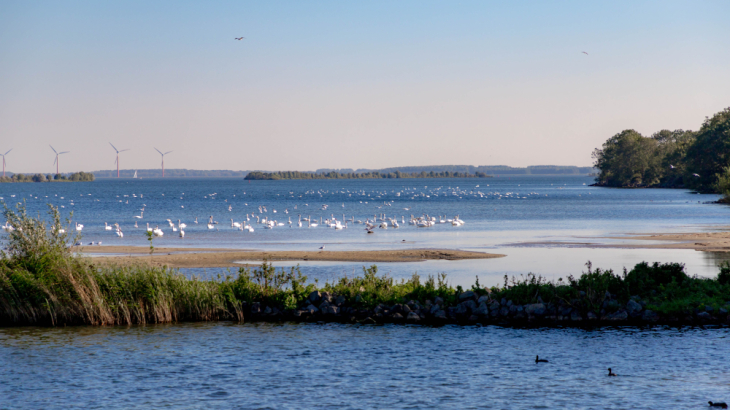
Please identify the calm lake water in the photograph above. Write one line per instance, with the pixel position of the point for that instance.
(500, 213)
(296, 366)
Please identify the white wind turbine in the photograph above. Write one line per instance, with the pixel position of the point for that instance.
(3, 155)
(116, 161)
(55, 162)
(163, 160)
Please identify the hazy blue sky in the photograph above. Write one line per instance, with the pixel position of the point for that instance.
(349, 84)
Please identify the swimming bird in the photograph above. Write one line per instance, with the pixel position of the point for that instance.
(107, 227)
(539, 360)
(719, 404)
(610, 373)
(79, 227)
(148, 227)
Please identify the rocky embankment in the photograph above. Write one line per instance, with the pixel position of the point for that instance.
(473, 308)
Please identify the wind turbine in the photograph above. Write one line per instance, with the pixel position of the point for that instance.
(55, 162)
(163, 160)
(117, 160)
(3, 155)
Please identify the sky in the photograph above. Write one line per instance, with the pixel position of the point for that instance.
(350, 84)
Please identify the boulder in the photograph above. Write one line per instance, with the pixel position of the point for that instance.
(439, 301)
(494, 306)
(619, 316)
(482, 310)
(467, 295)
(268, 311)
(331, 310)
(704, 316)
(473, 318)
(633, 308)
(315, 296)
(709, 308)
(535, 309)
(591, 316)
(441, 315)
(311, 309)
(504, 312)
(575, 316)
(649, 316)
(434, 309)
(323, 305)
(483, 299)
(368, 321)
(397, 316)
(256, 307)
(461, 310)
(515, 309)
(406, 309)
(413, 317)
(470, 304)
(326, 296)
(340, 300)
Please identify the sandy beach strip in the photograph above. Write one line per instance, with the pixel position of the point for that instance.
(223, 258)
(699, 241)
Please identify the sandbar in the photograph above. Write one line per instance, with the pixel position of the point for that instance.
(223, 258)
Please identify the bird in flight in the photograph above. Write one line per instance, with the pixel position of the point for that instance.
(584, 52)
(240, 38)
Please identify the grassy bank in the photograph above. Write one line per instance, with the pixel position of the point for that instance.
(42, 282)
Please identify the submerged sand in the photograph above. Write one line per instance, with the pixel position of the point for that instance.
(699, 241)
(222, 258)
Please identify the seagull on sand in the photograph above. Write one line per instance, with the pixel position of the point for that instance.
(321, 247)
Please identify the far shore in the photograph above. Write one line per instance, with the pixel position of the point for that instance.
(224, 258)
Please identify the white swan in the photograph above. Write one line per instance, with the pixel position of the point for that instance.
(148, 227)
(79, 227)
(157, 231)
(235, 224)
(107, 227)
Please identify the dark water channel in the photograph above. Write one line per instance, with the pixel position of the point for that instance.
(296, 366)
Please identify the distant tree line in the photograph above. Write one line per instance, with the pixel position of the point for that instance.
(75, 177)
(698, 160)
(173, 173)
(257, 175)
(471, 169)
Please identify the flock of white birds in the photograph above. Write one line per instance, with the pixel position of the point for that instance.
(378, 199)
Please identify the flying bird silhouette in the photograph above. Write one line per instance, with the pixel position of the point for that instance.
(584, 52)
(240, 38)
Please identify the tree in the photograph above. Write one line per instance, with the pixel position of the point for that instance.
(710, 152)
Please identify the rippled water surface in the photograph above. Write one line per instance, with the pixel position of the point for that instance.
(501, 213)
(294, 366)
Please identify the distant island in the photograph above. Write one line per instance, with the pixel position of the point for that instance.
(438, 169)
(256, 175)
(75, 177)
